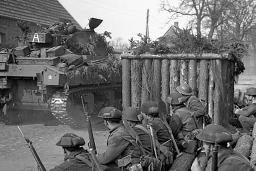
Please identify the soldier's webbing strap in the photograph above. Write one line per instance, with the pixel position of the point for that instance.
(86, 161)
(135, 136)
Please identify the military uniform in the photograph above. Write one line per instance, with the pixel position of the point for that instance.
(131, 115)
(247, 114)
(184, 114)
(228, 159)
(76, 160)
(197, 108)
(120, 145)
(161, 131)
(185, 138)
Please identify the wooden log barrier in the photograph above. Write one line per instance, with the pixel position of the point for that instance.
(126, 83)
(214, 84)
(136, 83)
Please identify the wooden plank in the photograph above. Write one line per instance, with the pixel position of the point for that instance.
(165, 73)
(146, 80)
(183, 72)
(126, 83)
(210, 92)
(205, 56)
(203, 80)
(136, 83)
(156, 79)
(174, 75)
(192, 75)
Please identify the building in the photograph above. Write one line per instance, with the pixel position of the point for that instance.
(35, 13)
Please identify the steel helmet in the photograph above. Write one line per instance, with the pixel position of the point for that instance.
(214, 133)
(150, 107)
(251, 91)
(110, 113)
(184, 89)
(131, 114)
(175, 98)
(70, 140)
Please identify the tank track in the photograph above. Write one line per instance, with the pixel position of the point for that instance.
(59, 109)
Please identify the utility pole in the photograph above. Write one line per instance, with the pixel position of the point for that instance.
(147, 29)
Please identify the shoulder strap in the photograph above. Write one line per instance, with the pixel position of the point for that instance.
(135, 136)
(83, 159)
(142, 128)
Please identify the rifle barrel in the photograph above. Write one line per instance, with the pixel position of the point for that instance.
(33, 151)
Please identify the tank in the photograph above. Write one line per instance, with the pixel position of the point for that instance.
(55, 71)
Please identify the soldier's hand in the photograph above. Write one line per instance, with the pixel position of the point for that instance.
(196, 166)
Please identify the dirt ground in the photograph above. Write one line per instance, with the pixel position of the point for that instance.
(15, 156)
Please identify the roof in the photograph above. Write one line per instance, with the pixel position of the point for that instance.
(45, 12)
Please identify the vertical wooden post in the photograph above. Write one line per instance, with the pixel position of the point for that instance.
(165, 73)
(156, 79)
(126, 83)
(183, 72)
(192, 79)
(219, 100)
(211, 91)
(228, 85)
(136, 82)
(146, 80)
(174, 75)
(203, 80)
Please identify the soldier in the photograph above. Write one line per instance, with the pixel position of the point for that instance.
(76, 157)
(122, 150)
(223, 158)
(192, 103)
(130, 117)
(188, 129)
(150, 111)
(247, 114)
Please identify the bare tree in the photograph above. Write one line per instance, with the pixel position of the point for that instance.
(194, 8)
(240, 18)
(215, 14)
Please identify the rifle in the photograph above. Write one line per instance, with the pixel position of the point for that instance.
(153, 140)
(40, 165)
(163, 118)
(91, 144)
(90, 132)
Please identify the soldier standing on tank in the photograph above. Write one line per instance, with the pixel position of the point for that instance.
(122, 150)
(76, 158)
(247, 114)
(222, 158)
(189, 129)
(194, 104)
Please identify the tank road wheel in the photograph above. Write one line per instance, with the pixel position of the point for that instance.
(67, 110)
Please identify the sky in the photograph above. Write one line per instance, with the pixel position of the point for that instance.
(123, 18)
